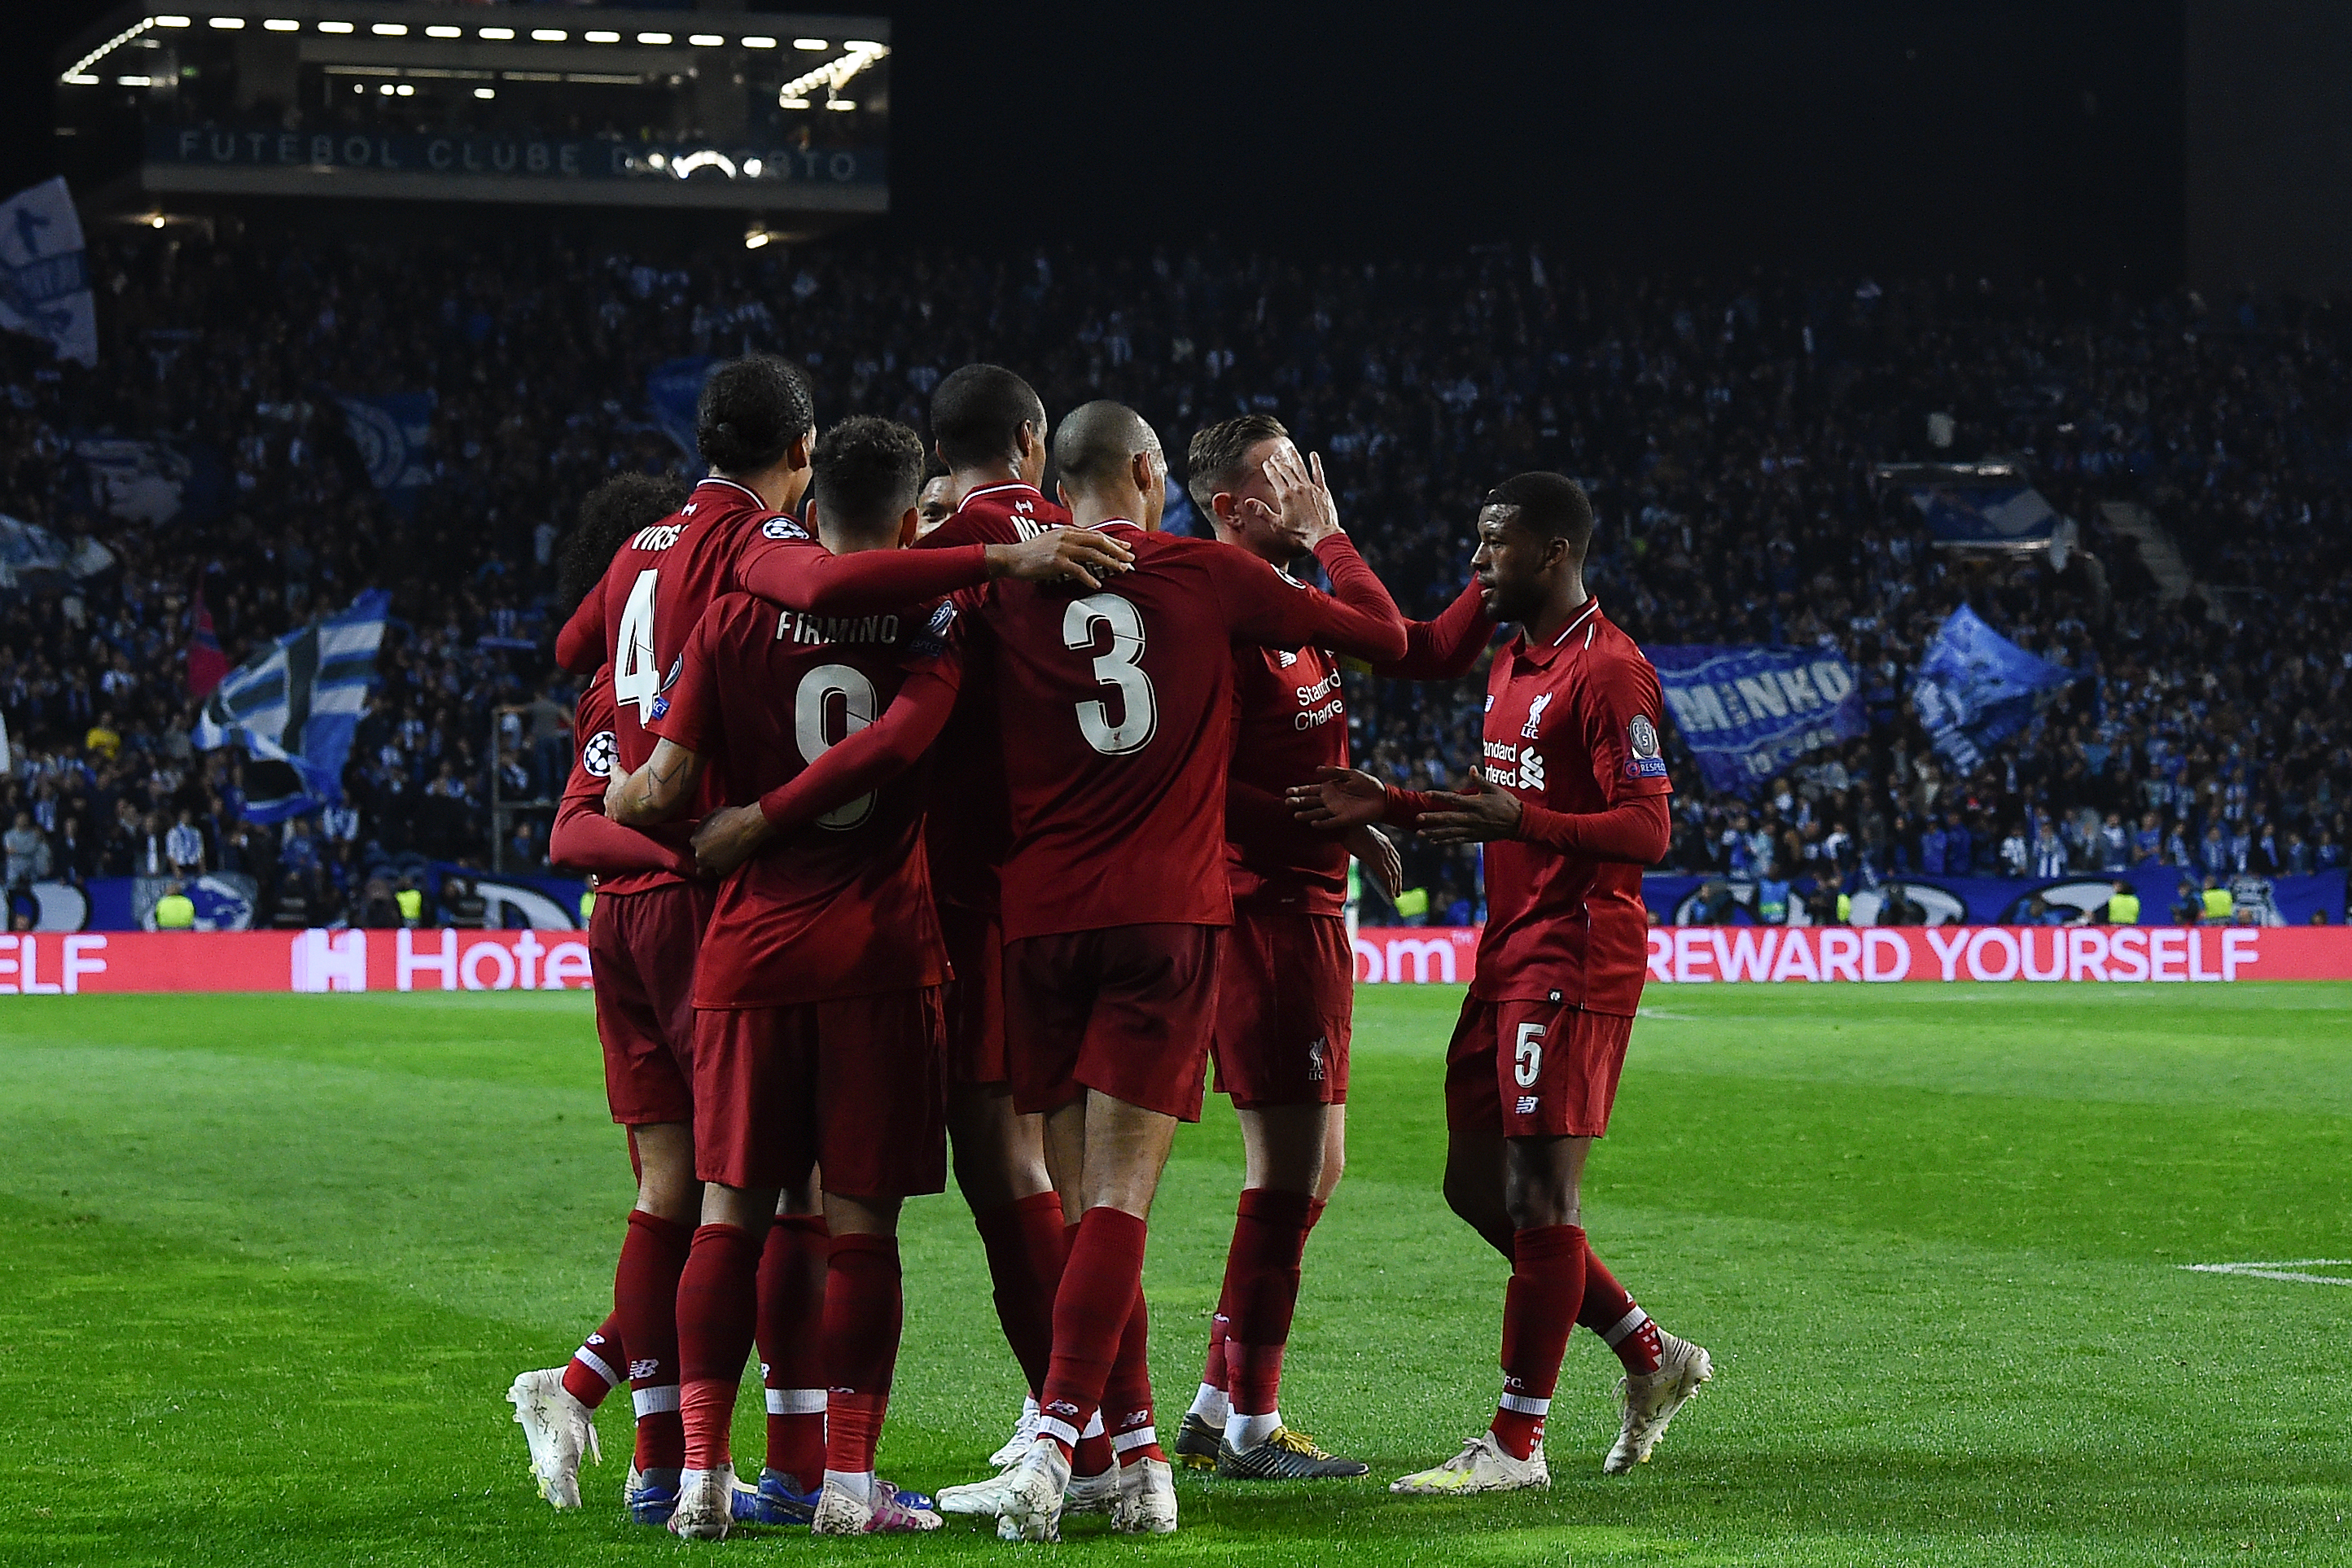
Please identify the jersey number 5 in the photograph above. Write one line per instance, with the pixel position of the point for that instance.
(1119, 667)
(812, 721)
(1527, 1057)
(636, 668)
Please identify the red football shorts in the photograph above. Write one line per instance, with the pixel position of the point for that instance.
(975, 999)
(642, 946)
(857, 1084)
(1534, 1069)
(1126, 1010)
(1285, 1007)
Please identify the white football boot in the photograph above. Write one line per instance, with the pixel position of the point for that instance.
(559, 1428)
(706, 1504)
(1034, 1492)
(1648, 1401)
(1147, 1499)
(1024, 1430)
(841, 1512)
(1480, 1467)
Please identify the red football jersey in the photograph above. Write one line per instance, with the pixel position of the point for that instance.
(1571, 725)
(1291, 719)
(592, 770)
(638, 618)
(969, 827)
(1118, 719)
(841, 906)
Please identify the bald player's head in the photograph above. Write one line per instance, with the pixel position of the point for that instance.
(1107, 456)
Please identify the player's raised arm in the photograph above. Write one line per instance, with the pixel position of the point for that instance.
(1355, 618)
(686, 724)
(1447, 647)
(782, 562)
(583, 838)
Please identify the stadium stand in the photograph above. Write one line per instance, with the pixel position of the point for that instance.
(1728, 431)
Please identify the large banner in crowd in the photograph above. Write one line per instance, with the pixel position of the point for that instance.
(2006, 900)
(297, 704)
(44, 274)
(1747, 713)
(1975, 689)
(394, 434)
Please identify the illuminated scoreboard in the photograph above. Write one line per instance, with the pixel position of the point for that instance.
(757, 111)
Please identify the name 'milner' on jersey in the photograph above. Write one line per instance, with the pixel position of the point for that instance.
(1116, 709)
(841, 906)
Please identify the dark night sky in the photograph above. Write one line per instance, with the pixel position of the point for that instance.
(2035, 137)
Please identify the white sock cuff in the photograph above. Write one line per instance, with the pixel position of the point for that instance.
(1521, 1405)
(653, 1401)
(1630, 1323)
(1127, 1442)
(1056, 1427)
(796, 1402)
(598, 1365)
(1094, 1425)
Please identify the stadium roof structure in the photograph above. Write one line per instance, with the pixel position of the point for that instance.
(761, 112)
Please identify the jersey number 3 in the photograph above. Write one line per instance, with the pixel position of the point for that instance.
(636, 668)
(1119, 667)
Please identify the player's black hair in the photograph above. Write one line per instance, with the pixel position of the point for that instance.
(750, 412)
(1215, 459)
(975, 411)
(614, 510)
(1097, 439)
(869, 472)
(1552, 505)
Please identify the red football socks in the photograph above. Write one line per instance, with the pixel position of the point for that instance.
(1618, 1318)
(1126, 1392)
(645, 1303)
(1212, 1370)
(1099, 1286)
(1024, 1243)
(1546, 1292)
(864, 1310)
(792, 1353)
(716, 1318)
(1262, 1293)
(597, 1365)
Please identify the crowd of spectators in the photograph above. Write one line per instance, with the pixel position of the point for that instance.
(1728, 429)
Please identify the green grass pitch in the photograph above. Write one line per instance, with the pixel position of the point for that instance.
(267, 1266)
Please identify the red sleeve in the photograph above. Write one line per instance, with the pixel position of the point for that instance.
(1621, 711)
(1635, 833)
(875, 754)
(965, 528)
(1254, 814)
(687, 714)
(1263, 606)
(585, 839)
(1404, 806)
(1448, 646)
(579, 646)
(801, 574)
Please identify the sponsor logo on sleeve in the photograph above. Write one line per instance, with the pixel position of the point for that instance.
(1642, 760)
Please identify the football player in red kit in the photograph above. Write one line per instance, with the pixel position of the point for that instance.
(1570, 804)
(818, 1033)
(1114, 898)
(1286, 979)
(643, 1077)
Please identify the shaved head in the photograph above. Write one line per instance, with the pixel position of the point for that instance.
(1097, 441)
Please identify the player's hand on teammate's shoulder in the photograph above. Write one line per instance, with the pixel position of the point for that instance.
(1475, 814)
(1339, 799)
(1378, 857)
(1078, 556)
(728, 837)
(1308, 513)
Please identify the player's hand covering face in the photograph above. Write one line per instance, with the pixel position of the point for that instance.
(1378, 857)
(1473, 815)
(1339, 799)
(1302, 501)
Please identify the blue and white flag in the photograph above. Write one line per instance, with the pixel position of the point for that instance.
(672, 389)
(44, 276)
(1986, 516)
(1747, 713)
(1975, 689)
(297, 704)
(392, 434)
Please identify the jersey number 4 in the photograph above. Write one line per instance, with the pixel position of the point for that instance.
(1119, 667)
(813, 712)
(636, 668)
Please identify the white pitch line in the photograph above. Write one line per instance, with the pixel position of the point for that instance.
(2280, 1271)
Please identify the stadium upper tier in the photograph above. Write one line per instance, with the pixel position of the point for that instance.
(1729, 431)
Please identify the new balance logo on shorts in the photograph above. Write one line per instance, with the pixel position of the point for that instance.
(1527, 1105)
